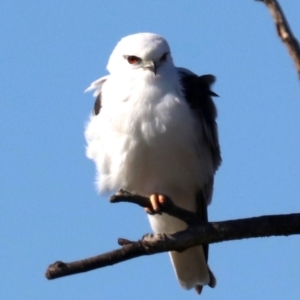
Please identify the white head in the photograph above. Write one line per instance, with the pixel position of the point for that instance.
(142, 51)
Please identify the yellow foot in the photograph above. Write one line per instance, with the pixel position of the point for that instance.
(156, 201)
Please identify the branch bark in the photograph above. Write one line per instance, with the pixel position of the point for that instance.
(195, 234)
(168, 207)
(284, 31)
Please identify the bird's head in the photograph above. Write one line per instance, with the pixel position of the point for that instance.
(143, 52)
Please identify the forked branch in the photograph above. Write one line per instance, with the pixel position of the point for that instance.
(196, 233)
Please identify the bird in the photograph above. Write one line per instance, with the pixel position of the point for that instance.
(153, 132)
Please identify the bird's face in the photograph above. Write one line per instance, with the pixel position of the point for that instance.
(142, 52)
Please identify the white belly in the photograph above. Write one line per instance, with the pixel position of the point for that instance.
(149, 145)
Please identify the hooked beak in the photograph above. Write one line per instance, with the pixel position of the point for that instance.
(151, 65)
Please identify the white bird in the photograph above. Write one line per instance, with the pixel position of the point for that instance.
(153, 132)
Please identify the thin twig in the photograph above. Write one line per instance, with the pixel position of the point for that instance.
(168, 207)
(284, 31)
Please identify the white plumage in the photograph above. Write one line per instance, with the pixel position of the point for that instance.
(147, 140)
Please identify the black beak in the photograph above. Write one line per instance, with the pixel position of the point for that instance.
(152, 66)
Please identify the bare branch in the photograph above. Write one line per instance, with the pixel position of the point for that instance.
(284, 31)
(209, 233)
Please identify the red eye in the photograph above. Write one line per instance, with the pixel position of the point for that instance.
(133, 60)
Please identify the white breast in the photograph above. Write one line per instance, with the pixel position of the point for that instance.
(144, 139)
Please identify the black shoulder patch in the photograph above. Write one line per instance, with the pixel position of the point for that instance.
(97, 105)
(198, 95)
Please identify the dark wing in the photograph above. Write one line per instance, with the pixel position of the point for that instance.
(97, 85)
(201, 199)
(198, 95)
(97, 105)
(196, 90)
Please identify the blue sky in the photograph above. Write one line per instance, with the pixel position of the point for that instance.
(50, 51)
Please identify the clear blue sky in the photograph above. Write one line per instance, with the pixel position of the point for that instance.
(50, 51)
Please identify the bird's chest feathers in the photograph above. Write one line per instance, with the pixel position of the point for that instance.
(148, 113)
(148, 134)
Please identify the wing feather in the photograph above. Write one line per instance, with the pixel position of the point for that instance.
(97, 86)
(198, 95)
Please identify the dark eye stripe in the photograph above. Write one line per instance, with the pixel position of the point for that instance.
(164, 57)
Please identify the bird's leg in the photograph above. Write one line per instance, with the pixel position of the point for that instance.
(156, 200)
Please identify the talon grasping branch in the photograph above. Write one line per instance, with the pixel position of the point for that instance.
(156, 201)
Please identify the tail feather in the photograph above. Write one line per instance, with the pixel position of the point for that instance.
(212, 279)
(191, 268)
(190, 265)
